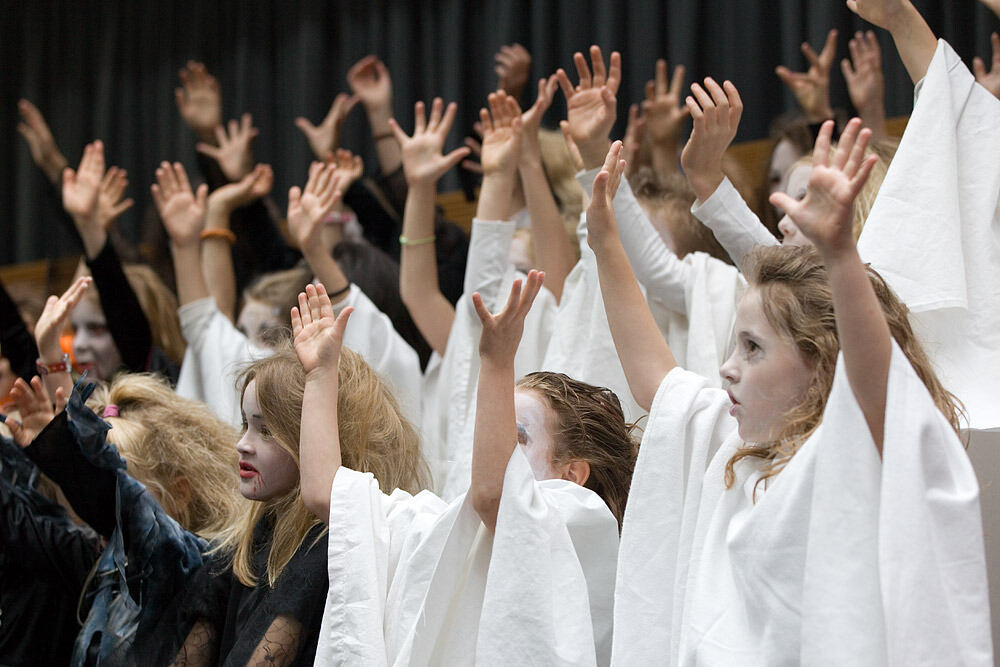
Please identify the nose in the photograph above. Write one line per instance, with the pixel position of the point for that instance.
(81, 341)
(786, 227)
(729, 371)
(243, 446)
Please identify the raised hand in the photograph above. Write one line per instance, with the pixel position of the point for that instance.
(35, 407)
(502, 332)
(990, 80)
(574, 150)
(233, 149)
(307, 208)
(883, 13)
(350, 168)
(635, 130)
(81, 188)
(52, 322)
(863, 72)
(181, 209)
(502, 132)
(110, 202)
(825, 214)
(716, 117)
(44, 151)
(513, 64)
(318, 336)
(812, 87)
(324, 138)
(253, 186)
(423, 162)
(994, 6)
(199, 100)
(531, 120)
(602, 225)
(662, 110)
(370, 82)
(591, 107)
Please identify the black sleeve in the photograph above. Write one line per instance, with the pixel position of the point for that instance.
(452, 250)
(380, 222)
(395, 189)
(260, 247)
(17, 344)
(89, 489)
(127, 323)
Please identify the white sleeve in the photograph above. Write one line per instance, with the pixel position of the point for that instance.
(215, 352)
(370, 333)
(664, 276)
(735, 226)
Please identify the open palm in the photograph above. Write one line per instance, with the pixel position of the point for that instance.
(318, 336)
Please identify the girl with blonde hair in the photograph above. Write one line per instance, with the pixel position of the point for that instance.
(787, 518)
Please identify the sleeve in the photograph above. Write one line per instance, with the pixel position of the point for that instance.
(215, 351)
(688, 424)
(381, 224)
(664, 276)
(127, 323)
(735, 226)
(17, 344)
(395, 189)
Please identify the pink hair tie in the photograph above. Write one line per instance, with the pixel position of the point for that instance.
(111, 411)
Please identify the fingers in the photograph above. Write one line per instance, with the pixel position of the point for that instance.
(419, 121)
(61, 399)
(305, 314)
(821, 151)
(582, 71)
(614, 73)
(848, 141)
(181, 175)
(397, 131)
(599, 193)
(784, 202)
(512, 299)
(454, 157)
(677, 82)
(444, 127)
(436, 108)
(296, 318)
(861, 177)
(597, 62)
(481, 310)
(531, 289)
(829, 50)
(735, 104)
(564, 84)
(574, 150)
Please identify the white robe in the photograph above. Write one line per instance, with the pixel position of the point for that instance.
(934, 231)
(415, 581)
(842, 560)
(451, 382)
(217, 351)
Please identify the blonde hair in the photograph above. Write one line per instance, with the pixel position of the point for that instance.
(590, 426)
(797, 301)
(560, 171)
(158, 304)
(280, 290)
(165, 438)
(374, 437)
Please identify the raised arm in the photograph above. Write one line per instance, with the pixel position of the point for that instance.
(496, 432)
(199, 101)
(218, 238)
(370, 82)
(513, 67)
(865, 82)
(423, 165)
(233, 148)
(49, 327)
(591, 106)
(307, 209)
(324, 139)
(554, 252)
(318, 339)
(824, 215)
(183, 214)
(644, 354)
(44, 151)
(812, 87)
(664, 116)
(913, 37)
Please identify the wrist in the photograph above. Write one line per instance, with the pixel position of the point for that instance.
(819, 114)
(50, 354)
(593, 153)
(378, 117)
(217, 213)
(837, 252)
(705, 183)
(186, 245)
(325, 375)
(498, 362)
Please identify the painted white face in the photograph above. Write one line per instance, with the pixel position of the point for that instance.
(259, 321)
(534, 433)
(766, 373)
(784, 156)
(7, 377)
(266, 468)
(93, 347)
(798, 184)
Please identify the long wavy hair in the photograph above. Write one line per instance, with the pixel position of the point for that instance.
(590, 426)
(798, 303)
(374, 437)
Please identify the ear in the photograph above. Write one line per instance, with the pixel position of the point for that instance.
(577, 472)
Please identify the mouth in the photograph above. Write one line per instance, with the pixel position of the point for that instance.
(247, 471)
(732, 410)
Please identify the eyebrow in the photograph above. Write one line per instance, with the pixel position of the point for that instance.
(521, 429)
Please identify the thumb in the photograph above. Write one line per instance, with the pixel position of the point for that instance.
(304, 125)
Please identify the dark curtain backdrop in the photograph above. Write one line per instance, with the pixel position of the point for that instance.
(108, 70)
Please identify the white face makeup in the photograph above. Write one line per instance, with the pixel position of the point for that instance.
(766, 373)
(784, 156)
(258, 321)
(93, 347)
(534, 434)
(798, 183)
(266, 469)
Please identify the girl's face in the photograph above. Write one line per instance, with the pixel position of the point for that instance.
(258, 320)
(266, 468)
(534, 434)
(766, 373)
(93, 346)
(796, 186)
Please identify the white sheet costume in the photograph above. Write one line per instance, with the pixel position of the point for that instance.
(842, 560)
(217, 350)
(415, 581)
(934, 231)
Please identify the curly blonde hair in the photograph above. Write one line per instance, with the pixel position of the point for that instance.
(374, 437)
(177, 448)
(798, 303)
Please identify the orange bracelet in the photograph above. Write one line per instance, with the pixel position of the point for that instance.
(224, 234)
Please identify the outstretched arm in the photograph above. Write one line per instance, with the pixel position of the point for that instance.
(307, 210)
(824, 215)
(913, 37)
(865, 83)
(664, 116)
(318, 338)
(496, 432)
(812, 87)
(50, 326)
(183, 214)
(591, 106)
(324, 139)
(644, 354)
(44, 151)
(423, 165)
(370, 82)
